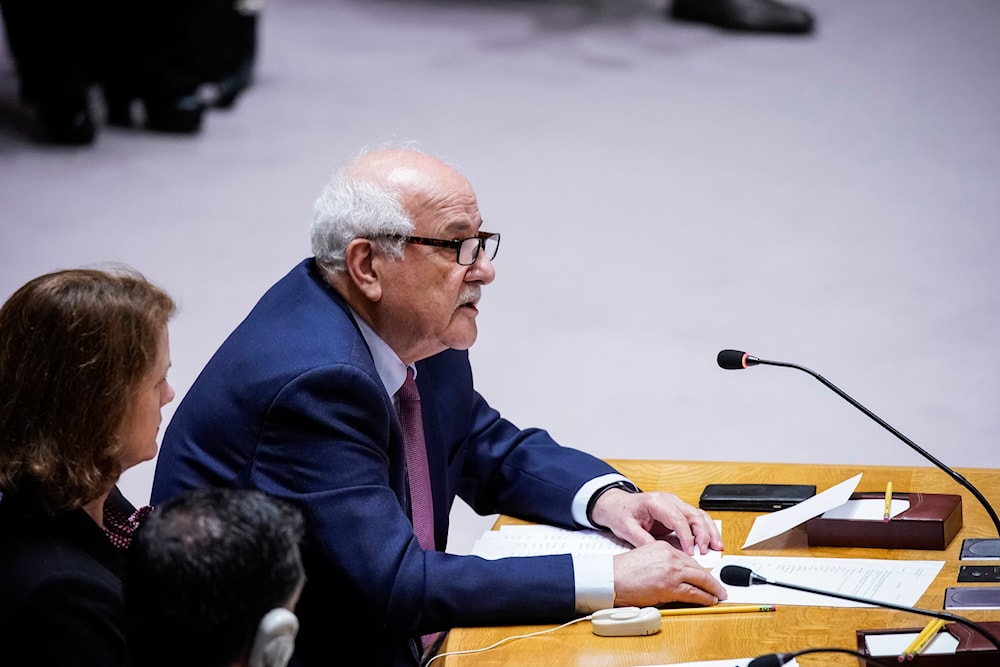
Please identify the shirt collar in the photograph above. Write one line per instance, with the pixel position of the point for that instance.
(390, 368)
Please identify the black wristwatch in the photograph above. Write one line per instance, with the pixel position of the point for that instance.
(620, 484)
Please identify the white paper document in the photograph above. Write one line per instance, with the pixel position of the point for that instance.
(770, 525)
(735, 662)
(867, 509)
(900, 582)
(895, 644)
(547, 540)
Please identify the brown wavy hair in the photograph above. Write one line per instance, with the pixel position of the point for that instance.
(74, 346)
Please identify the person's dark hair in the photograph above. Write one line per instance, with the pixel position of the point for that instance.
(74, 346)
(203, 569)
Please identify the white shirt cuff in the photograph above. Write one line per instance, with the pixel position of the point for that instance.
(582, 497)
(595, 583)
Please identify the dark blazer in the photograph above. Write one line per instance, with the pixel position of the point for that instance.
(292, 404)
(60, 587)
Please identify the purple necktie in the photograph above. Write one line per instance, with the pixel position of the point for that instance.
(415, 449)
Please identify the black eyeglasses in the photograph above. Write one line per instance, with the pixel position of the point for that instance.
(466, 250)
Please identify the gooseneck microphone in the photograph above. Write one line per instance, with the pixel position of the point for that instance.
(778, 659)
(735, 575)
(736, 360)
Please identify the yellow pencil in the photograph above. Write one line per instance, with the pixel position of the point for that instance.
(718, 609)
(888, 502)
(922, 639)
(917, 641)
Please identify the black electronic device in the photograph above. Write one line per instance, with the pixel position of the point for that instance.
(754, 497)
(978, 573)
(972, 597)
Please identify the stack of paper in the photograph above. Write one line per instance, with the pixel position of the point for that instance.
(547, 540)
(900, 582)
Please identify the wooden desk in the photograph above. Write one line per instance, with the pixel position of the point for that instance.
(717, 637)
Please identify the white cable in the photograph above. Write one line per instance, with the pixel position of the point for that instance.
(505, 640)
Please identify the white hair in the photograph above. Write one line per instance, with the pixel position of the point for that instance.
(350, 207)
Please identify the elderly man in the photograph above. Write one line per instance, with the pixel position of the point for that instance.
(312, 398)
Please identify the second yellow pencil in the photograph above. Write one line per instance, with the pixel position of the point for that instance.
(888, 502)
(718, 609)
(922, 639)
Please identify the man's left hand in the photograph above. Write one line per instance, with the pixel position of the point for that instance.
(640, 518)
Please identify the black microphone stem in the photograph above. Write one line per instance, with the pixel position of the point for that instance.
(776, 659)
(889, 605)
(914, 446)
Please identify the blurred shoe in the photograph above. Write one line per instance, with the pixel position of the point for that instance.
(174, 116)
(745, 15)
(232, 86)
(228, 91)
(118, 109)
(65, 124)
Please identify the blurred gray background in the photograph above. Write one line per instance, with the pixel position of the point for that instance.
(664, 191)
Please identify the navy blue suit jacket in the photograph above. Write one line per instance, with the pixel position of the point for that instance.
(292, 404)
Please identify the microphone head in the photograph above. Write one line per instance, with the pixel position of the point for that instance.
(735, 575)
(733, 360)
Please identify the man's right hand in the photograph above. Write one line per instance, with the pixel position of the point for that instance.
(657, 573)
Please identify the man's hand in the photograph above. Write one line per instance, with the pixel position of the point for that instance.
(639, 518)
(657, 573)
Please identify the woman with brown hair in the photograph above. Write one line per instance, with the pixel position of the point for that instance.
(83, 362)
